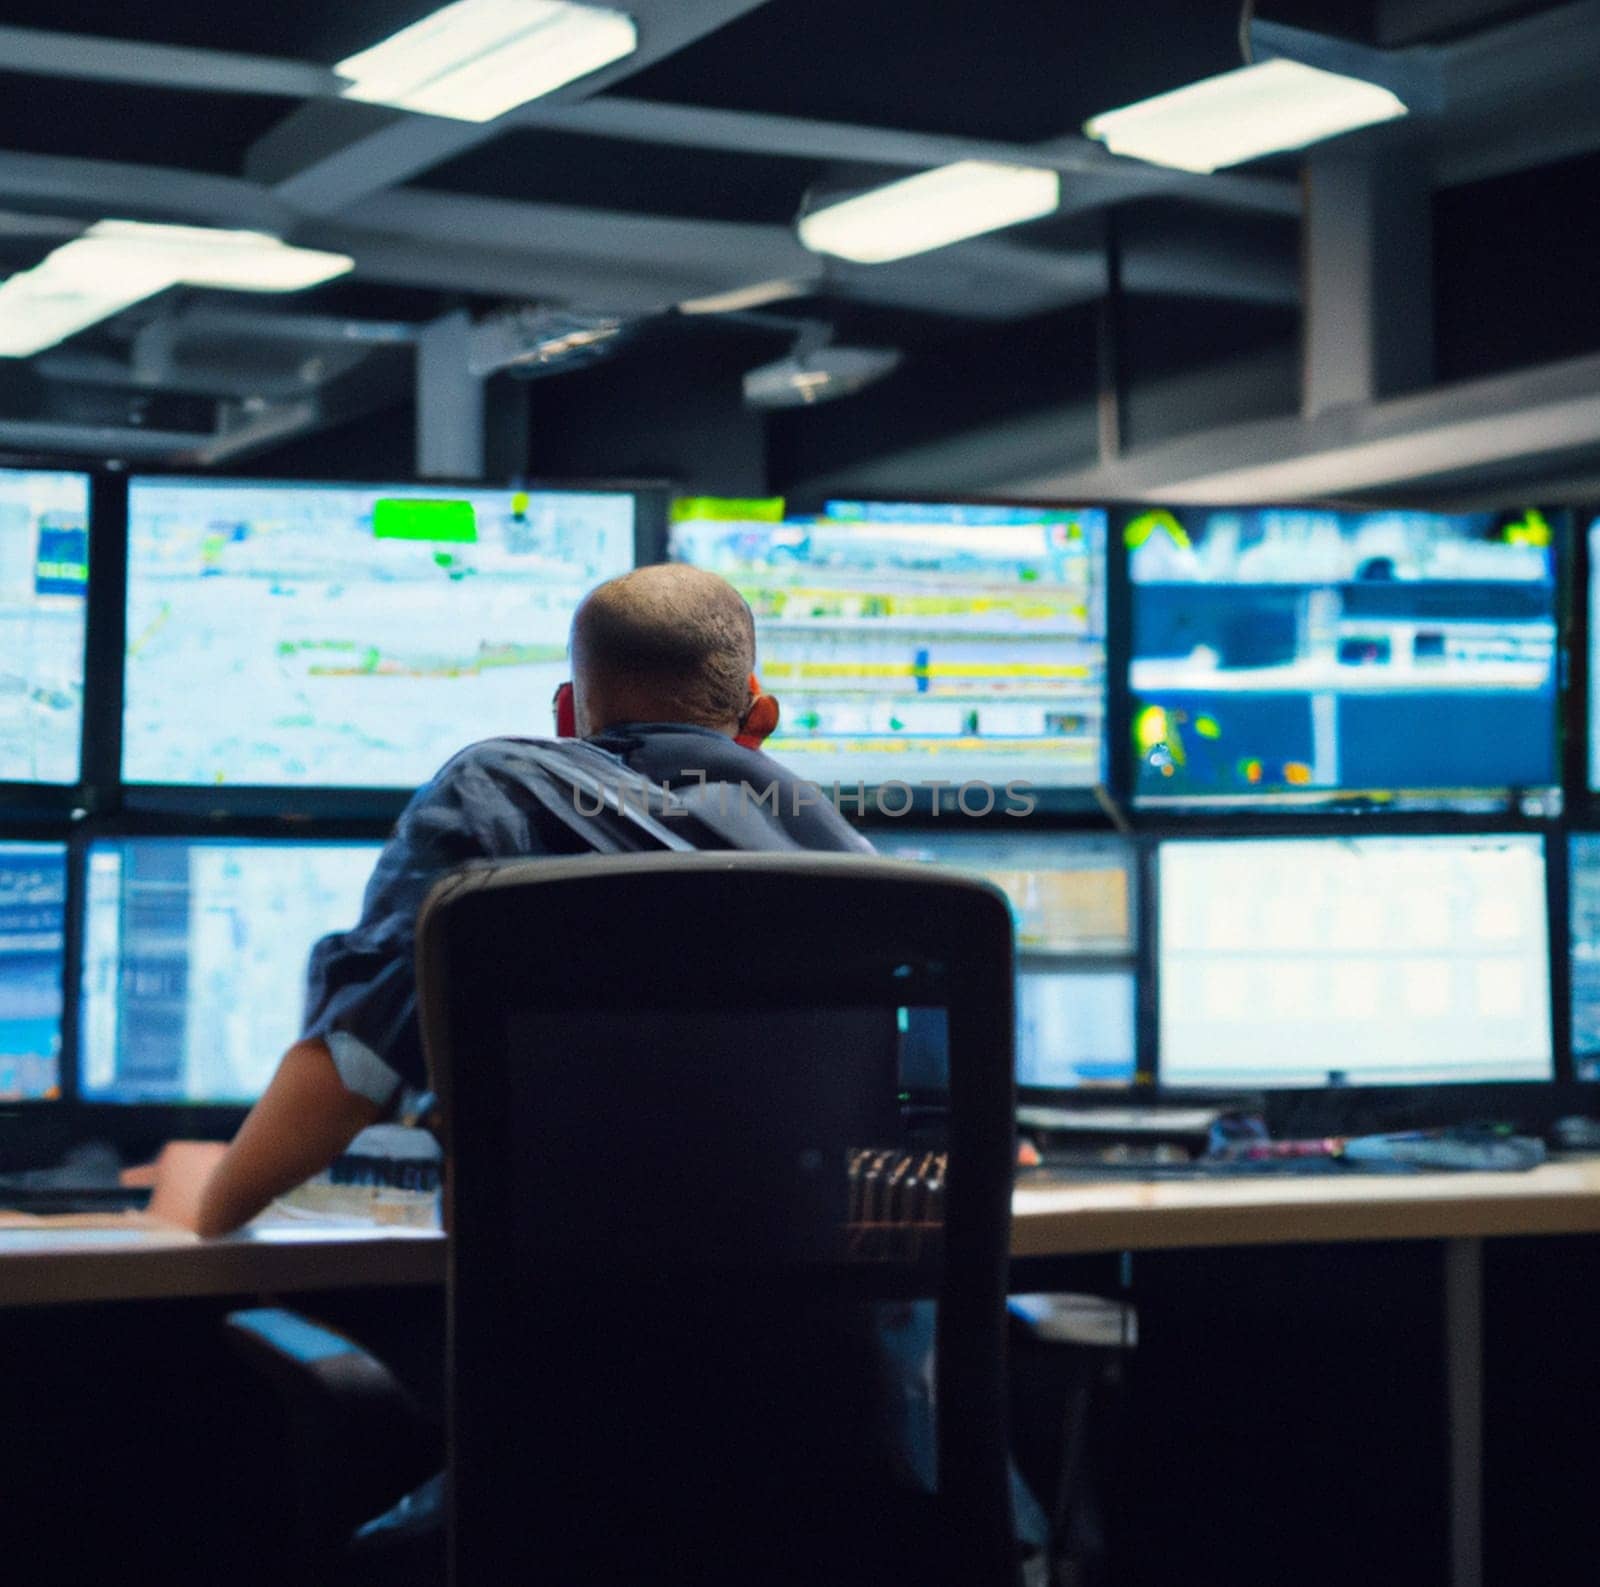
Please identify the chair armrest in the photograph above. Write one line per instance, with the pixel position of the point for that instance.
(359, 1440)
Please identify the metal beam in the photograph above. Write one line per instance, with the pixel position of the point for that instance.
(270, 325)
(1478, 426)
(75, 55)
(324, 157)
(788, 137)
(250, 428)
(1102, 177)
(95, 440)
(98, 189)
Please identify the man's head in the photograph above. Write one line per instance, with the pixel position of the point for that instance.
(667, 643)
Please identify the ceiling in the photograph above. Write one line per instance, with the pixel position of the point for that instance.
(678, 173)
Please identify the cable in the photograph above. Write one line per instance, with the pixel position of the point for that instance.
(1247, 15)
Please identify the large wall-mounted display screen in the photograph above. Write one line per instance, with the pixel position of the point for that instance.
(910, 643)
(1289, 656)
(44, 587)
(348, 636)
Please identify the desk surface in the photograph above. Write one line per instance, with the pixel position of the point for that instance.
(55, 1260)
(50, 1261)
(1133, 1215)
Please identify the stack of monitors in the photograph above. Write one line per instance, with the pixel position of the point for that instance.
(1072, 900)
(348, 636)
(913, 642)
(1292, 657)
(346, 640)
(44, 582)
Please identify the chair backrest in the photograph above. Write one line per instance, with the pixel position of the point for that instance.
(687, 1204)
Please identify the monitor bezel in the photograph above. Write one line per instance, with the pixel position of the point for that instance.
(1489, 805)
(313, 802)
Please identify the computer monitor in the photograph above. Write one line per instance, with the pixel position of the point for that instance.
(33, 908)
(1594, 655)
(1360, 961)
(1071, 897)
(44, 585)
(348, 636)
(1285, 656)
(1583, 889)
(911, 643)
(194, 960)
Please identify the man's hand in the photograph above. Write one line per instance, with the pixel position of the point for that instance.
(178, 1179)
(304, 1119)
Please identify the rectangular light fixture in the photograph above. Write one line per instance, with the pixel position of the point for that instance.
(931, 210)
(116, 263)
(477, 59)
(751, 297)
(1241, 115)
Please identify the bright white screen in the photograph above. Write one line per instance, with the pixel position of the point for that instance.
(286, 635)
(1367, 961)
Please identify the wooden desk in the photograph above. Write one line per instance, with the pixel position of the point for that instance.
(1131, 1215)
(52, 1260)
(66, 1260)
(55, 1261)
(1462, 1210)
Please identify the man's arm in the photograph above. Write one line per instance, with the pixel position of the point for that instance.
(304, 1119)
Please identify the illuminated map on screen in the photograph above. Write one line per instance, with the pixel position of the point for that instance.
(910, 642)
(44, 583)
(348, 635)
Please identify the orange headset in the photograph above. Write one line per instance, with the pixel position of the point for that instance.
(749, 737)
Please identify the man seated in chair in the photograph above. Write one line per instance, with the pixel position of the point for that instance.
(663, 685)
(663, 689)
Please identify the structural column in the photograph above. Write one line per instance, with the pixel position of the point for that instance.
(1368, 244)
(450, 427)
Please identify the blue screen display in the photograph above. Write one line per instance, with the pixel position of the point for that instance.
(44, 585)
(348, 635)
(194, 960)
(1584, 893)
(1299, 655)
(33, 903)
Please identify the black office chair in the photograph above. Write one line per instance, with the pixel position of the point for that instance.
(690, 1213)
(693, 1223)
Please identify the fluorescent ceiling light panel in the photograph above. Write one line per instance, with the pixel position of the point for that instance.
(1241, 115)
(115, 263)
(931, 210)
(200, 256)
(751, 297)
(477, 59)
